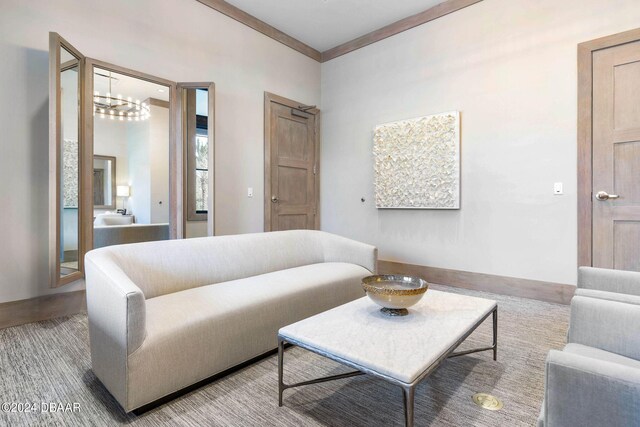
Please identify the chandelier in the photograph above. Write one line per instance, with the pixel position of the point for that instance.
(118, 107)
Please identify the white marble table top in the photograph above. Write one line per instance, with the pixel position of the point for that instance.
(398, 347)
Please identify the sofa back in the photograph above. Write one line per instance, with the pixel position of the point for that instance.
(164, 267)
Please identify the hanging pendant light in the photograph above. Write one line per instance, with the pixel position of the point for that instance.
(118, 106)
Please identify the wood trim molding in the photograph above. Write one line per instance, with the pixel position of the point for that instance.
(525, 288)
(47, 307)
(435, 12)
(397, 27)
(262, 27)
(585, 83)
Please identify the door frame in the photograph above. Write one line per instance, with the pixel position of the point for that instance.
(181, 136)
(268, 99)
(56, 43)
(585, 137)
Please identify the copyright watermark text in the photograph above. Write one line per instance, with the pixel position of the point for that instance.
(39, 407)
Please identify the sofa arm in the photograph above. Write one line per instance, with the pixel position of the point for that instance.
(585, 392)
(608, 325)
(116, 312)
(602, 279)
(340, 249)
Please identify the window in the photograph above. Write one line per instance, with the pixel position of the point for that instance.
(202, 167)
(196, 128)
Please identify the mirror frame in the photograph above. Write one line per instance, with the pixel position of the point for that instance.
(112, 159)
(56, 43)
(182, 131)
(175, 147)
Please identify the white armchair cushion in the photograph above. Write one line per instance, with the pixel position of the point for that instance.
(590, 392)
(603, 279)
(608, 325)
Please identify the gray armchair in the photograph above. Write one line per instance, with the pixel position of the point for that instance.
(613, 285)
(595, 379)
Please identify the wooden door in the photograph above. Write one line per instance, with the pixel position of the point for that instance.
(291, 144)
(616, 157)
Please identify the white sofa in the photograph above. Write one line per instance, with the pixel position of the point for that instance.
(166, 315)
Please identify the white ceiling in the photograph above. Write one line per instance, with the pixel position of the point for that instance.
(323, 24)
(128, 86)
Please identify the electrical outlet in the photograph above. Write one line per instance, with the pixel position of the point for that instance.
(250, 192)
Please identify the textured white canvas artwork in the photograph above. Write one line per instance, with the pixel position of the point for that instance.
(70, 173)
(417, 163)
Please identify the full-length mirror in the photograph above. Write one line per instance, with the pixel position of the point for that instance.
(65, 67)
(197, 106)
(131, 169)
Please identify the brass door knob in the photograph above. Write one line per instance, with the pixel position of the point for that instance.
(274, 199)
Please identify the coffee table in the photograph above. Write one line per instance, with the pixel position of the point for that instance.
(400, 350)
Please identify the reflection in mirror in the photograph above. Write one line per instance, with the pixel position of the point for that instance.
(196, 121)
(104, 182)
(69, 162)
(131, 125)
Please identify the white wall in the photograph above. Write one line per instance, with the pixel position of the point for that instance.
(180, 40)
(138, 151)
(159, 164)
(509, 66)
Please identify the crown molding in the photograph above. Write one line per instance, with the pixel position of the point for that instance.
(435, 12)
(397, 27)
(251, 21)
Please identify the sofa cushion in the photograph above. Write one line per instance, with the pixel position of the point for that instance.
(198, 332)
(164, 267)
(606, 356)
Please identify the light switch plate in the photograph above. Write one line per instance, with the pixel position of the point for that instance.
(250, 192)
(557, 188)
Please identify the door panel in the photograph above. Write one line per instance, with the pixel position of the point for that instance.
(292, 185)
(291, 196)
(626, 158)
(616, 157)
(627, 93)
(292, 222)
(626, 238)
(290, 133)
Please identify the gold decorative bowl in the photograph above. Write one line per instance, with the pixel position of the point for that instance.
(394, 293)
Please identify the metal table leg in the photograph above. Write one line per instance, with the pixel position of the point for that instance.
(495, 334)
(280, 370)
(409, 397)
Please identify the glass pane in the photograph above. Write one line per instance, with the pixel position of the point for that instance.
(202, 152)
(196, 125)
(202, 190)
(69, 161)
(131, 126)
